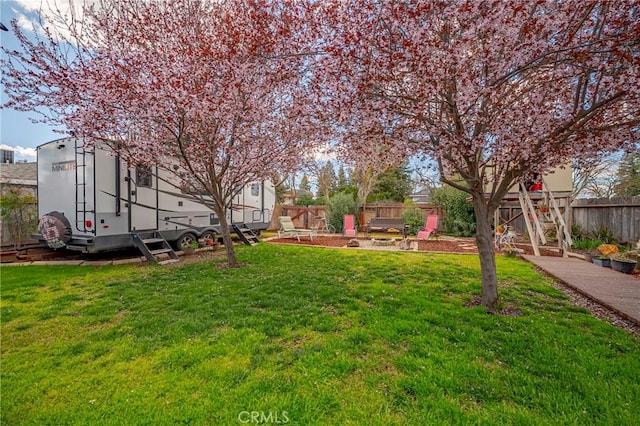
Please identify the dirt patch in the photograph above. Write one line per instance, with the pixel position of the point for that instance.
(321, 241)
(453, 245)
(509, 310)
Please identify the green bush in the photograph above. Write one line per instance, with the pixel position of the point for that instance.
(587, 244)
(308, 200)
(414, 219)
(19, 211)
(339, 205)
(459, 217)
(604, 234)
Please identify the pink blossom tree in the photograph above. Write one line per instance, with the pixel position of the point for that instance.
(215, 88)
(492, 91)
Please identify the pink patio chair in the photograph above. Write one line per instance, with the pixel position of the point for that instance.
(429, 228)
(349, 225)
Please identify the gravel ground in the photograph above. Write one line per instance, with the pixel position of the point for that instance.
(443, 245)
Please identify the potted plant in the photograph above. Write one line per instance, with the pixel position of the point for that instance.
(624, 262)
(589, 255)
(543, 208)
(508, 252)
(190, 248)
(602, 261)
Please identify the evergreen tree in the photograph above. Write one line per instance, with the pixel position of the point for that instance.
(326, 180)
(393, 185)
(304, 183)
(629, 176)
(342, 177)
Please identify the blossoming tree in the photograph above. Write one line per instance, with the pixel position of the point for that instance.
(211, 89)
(493, 91)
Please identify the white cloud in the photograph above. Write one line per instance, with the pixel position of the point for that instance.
(51, 11)
(21, 153)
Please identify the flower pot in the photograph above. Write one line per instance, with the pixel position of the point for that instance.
(188, 250)
(623, 266)
(602, 261)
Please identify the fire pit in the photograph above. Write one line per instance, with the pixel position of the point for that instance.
(382, 242)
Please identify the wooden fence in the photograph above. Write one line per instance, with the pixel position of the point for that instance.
(305, 217)
(619, 215)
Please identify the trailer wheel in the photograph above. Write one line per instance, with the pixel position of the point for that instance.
(208, 235)
(184, 240)
(55, 229)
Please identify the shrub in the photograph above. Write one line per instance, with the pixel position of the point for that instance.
(587, 244)
(414, 219)
(308, 200)
(339, 205)
(602, 233)
(460, 219)
(20, 215)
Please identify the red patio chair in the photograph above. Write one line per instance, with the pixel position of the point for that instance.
(349, 225)
(430, 227)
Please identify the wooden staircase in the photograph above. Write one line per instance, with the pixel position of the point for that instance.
(154, 245)
(554, 216)
(245, 233)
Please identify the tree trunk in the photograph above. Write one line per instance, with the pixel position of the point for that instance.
(226, 239)
(484, 240)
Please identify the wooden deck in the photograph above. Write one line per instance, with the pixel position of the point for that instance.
(615, 290)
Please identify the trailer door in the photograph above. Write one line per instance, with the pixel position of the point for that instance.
(143, 199)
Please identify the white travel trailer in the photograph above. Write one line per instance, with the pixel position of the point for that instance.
(89, 200)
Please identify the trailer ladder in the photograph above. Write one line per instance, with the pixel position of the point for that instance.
(154, 245)
(245, 233)
(81, 189)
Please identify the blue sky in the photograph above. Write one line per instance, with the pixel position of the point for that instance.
(17, 131)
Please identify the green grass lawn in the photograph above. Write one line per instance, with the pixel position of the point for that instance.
(306, 336)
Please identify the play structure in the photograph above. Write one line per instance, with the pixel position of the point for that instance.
(541, 208)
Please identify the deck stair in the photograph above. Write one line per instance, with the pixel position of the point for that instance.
(245, 233)
(153, 245)
(532, 219)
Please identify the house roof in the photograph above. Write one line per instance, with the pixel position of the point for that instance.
(19, 173)
(421, 196)
(299, 193)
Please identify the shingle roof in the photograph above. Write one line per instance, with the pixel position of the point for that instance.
(19, 173)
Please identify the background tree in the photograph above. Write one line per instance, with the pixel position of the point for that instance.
(459, 217)
(593, 177)
(326, 178)
(628, 175)
(212, 87)
(343, 181)
(339, 205)
(492, 91)
(19, 211)
(304, 183)
(394, 184)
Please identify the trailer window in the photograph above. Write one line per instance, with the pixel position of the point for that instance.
(143, 176)
(255, 189)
